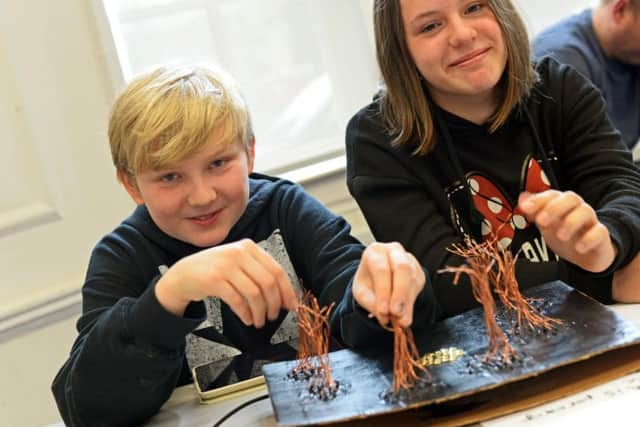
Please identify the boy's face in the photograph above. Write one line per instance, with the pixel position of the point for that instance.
(201, 197)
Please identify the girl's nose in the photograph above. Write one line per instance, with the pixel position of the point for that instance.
(460, 32)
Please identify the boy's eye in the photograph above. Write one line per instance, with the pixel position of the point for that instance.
(217, 163)
(169, 177)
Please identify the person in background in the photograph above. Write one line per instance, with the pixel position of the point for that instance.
(469, 138)
(212, 258)
(603, 44)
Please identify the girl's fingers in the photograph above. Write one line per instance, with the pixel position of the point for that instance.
(557, 208)
(592, 239)
(580, 219)
(530, 204)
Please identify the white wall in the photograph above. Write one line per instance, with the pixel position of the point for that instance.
(540, 13)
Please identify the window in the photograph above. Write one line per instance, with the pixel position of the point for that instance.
(305, 66)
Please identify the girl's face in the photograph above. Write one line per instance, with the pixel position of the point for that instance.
(457, 46)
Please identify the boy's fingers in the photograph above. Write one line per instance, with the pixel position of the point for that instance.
(253, 294)
(363, 294)
(378, 265)
(252, 274)
(402, 276)
(363, 291)
(236, 302)
(277, 278)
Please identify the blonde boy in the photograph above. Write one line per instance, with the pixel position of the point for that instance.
(200, 267)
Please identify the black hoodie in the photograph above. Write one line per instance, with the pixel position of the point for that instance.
(558, 137)
(130, 352)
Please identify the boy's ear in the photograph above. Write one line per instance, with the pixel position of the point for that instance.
(251, 153)
(129, 184)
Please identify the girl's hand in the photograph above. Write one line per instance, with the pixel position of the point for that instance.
(570, 227)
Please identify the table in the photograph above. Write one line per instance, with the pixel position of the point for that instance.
(184, 407)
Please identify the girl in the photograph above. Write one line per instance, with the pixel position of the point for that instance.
(468, 138)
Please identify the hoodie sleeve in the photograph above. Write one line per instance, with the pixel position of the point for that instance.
(326, 257)
(129, 353)
(594, 160)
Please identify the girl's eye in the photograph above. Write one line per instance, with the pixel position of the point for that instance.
(474, 8)
(170, 177)
(432, 26)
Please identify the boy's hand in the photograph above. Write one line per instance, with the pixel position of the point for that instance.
(241, 274)
(570, 227)
(388, 282)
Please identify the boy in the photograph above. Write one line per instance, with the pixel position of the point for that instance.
(183, 279)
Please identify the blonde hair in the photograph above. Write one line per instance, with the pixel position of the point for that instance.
(405, 107)
(170, 113)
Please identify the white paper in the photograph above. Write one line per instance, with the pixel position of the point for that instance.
(614, 404)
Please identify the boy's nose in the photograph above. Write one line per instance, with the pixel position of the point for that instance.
(202, 193)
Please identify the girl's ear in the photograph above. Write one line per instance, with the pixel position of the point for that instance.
(129, 184)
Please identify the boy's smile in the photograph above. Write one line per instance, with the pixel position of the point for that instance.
(201, 198)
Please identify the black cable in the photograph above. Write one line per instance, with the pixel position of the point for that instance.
(239, 407)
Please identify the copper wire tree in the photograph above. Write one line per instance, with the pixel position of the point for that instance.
(492, 269)
(406, 359)
(313, 350)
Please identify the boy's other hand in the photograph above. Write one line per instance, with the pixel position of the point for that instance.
(241, 274)
(388, 281)
(570, 227)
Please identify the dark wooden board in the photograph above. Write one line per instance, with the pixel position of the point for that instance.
(589, 329)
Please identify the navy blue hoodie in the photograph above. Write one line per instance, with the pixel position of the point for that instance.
(130, 352)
